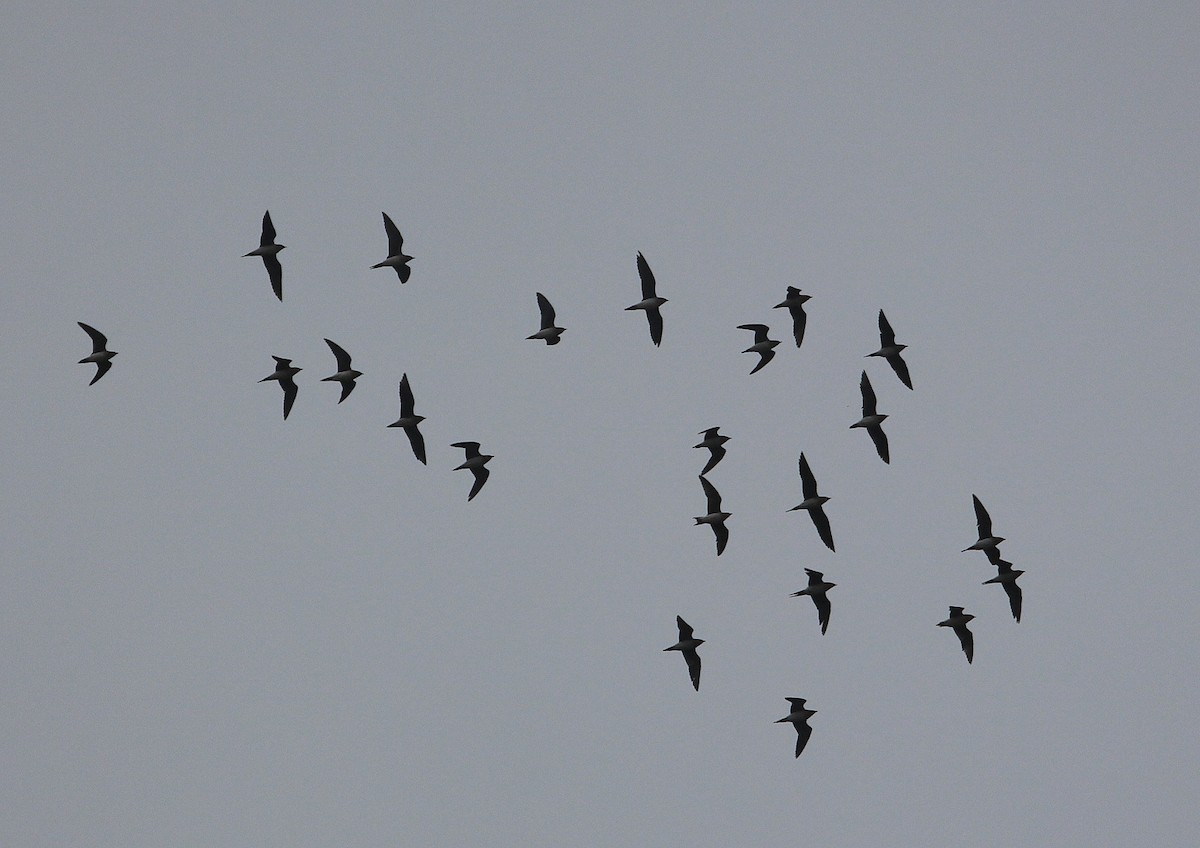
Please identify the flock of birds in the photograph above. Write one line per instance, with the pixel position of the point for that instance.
(476, 462)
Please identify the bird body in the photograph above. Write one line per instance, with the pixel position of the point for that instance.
(957, 622)
(794, 304)
(100, 355)
(345, 374)
(764, 347)
(269, 251)
(285, 373)
(548, 332)
(816, 589)
(714, 518)
(872, 418)
(890, 350)
(987, 542)
(396, 257)
(687, 645)
(409, 420)
(714, 441)
(650, 301)
(798, 718)
(813, 503)
(1007, 578)
(475, 462)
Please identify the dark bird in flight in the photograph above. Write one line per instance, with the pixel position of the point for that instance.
(813, 503)
(713, 441)
(396, 257)
(715, 518)
(799, 717)
(548, 332)
(650, 301)
(986, 542)
(284, 373)
(269, 251)
(871, 419)
(890, 351)
(794, 303)
(345, 374)
(475, 462)
(816, 589)
(100, 353)
(958, 622)
(687, 645)
(1007, 577)
(409, 421)
(764, 347)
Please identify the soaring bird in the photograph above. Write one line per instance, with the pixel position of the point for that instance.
(285, 373)
(100, 353)
(958, 622)
(794, 303)
(764, 347)
(890, 351)
(714, 518)
(650, 301)
(1007, 577)
(269, 251)
(987, 542)
(813, 503)
(409, 421)
(799, 717)
(713, 441)
(816, 589)
(548, 332)
(687, 645)
(396, 257)
(345, 374)
(871, 419)
(475, 462)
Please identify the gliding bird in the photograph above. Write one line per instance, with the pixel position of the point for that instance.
(100, 353)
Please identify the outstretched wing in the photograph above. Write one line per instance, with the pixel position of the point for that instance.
(275, 272)
(868, 395)
(406, 398)
(714, 497)
(343, 358)
(395, 240)
(808, 483)
(481, 475)
(693, 664)
(881, 443)
(268, 230)
(547, 311)
(821, 522)
(982, 520)
(417, 441)
(99, 340)
(886, 337)
(647, 277)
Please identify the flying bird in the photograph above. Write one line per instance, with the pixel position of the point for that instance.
(764, 347)
(1007, 577)
(958, 622)
(794, 303)
(475, 462)
(813, 503)
(714, 518)
(713, 441)
(548, 332)
(650, 301)
(871, 419)
(396, 257)
(269, 251)
(100, 353)
(409, 421)
(687, 645)
(987, 542)
(816, 589)
(799, 717)
(890, 351)
(345, 374)
(284, 373)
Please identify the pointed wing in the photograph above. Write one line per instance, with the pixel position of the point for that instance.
(99, 340)
(656, 325)
(722, 534)
(347, 388)
(101, 369)
(647, 277)
(481, 475)
(547, 311)
(685, 629)
(406, 397)
(819, 520)
(808, 483)
(982, 520)
(395, 240)
(1014, 598)
(714, 497)
(268, 230)
(799, 320)
(881, 443)
(868, 395)
(823, 608)
(417, 441)
(759, 330)
(901, 369)
(472, 448)
(803, 732)
(717, 454)
(765, 356)
(275, 272)
(693, 664)
(343, 358)
(886, 337)
(289, 395)
(968, 641)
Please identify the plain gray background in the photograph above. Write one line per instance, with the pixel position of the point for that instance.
(220, 628)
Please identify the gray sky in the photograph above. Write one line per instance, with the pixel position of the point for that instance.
(220, 628)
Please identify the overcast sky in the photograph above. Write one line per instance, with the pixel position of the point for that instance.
(221, 628)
